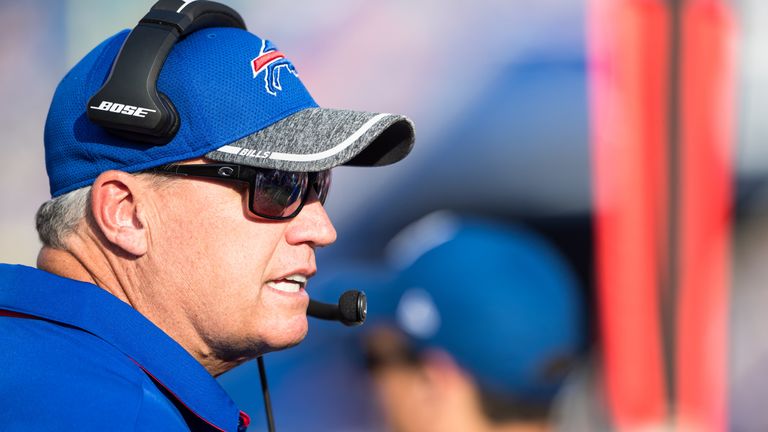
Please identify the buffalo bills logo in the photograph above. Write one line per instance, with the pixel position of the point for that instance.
(271, 61)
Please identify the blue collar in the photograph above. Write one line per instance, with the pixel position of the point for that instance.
(34, 292)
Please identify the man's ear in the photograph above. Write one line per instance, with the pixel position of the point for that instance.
(115, 210)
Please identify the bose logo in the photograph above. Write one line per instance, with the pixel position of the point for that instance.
(123, 109)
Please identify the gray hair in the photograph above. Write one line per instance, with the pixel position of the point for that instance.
(58, 218)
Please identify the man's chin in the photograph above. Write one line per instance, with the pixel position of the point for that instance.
(287, 336)
(278, 337)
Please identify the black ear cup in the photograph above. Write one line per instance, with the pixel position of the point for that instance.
(128, 104)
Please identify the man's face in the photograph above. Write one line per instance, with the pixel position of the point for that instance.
(234, 278)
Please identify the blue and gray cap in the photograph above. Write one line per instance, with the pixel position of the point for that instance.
(239, 101)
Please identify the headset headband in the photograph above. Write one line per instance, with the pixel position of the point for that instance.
(128, 104)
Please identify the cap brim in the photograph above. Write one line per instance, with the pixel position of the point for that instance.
(316, 139)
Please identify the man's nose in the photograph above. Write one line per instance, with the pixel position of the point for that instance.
(312, 225)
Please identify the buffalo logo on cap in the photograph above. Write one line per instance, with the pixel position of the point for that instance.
(271, 61)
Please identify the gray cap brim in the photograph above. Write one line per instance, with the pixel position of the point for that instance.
(316, 139)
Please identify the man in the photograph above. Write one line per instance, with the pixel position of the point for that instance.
(482, 325)
(166, 265)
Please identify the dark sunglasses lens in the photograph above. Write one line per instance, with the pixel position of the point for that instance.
(277, 193)
(322, 185)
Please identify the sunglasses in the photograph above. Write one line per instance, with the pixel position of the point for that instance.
(273, 194)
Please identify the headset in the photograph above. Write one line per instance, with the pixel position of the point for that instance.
(132, 82)
(132, 85)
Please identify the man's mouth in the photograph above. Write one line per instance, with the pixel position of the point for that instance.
(289, 284)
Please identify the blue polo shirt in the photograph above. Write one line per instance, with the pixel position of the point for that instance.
(74, 357)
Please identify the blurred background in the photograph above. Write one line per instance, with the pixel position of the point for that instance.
(621, 140)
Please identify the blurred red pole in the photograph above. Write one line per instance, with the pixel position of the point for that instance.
(629, 73)
(707, 142)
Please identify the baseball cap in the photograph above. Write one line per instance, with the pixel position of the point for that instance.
(233, 108)
(498, 298)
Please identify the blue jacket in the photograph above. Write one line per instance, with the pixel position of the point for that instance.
(74, 357)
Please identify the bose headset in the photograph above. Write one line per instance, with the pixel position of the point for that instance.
(132, 83)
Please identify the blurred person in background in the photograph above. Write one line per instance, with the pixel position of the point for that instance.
(483, 323)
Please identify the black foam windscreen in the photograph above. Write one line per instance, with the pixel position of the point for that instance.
(353, 307)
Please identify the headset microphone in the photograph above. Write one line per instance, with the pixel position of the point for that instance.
(351, 310)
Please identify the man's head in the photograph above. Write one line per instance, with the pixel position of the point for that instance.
(216, 256)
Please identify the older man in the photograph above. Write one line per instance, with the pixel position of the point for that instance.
(177, 248)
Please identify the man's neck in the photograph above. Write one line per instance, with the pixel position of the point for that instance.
(70, 265)
(95, 268)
